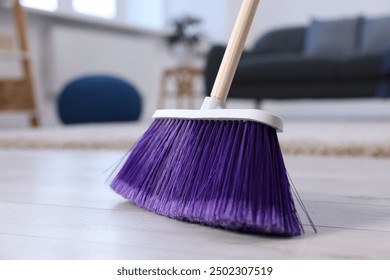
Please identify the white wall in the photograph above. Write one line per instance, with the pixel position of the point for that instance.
(137, 59)
(62, 49)
(136, 11)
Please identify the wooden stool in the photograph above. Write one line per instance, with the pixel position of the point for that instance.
(183, 78)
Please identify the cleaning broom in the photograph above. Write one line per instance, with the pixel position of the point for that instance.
(214, 166)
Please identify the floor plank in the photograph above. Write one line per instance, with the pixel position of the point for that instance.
(56, 205)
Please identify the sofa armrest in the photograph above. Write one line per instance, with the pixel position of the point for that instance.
(384, 86)
(213, 61)
(386, 63)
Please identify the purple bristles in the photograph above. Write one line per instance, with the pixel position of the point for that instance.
(224, 173)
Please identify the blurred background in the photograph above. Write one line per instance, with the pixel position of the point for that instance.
(141, 43)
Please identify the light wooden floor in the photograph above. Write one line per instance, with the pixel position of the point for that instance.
(56, 205)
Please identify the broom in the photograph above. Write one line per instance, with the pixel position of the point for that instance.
(214, 166)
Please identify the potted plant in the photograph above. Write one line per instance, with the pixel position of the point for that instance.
(185, 39)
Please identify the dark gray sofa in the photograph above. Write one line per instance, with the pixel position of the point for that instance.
(280, 67)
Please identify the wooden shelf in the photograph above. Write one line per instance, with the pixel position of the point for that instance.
(13, 55)
(18, 94)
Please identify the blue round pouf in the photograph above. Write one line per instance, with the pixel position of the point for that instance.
(94, 99)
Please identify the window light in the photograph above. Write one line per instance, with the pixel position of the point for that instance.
(46, 5)
(99, 8)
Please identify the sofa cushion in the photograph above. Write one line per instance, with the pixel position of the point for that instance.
(376, 34)
(366, 66)
(282, 40)
(284, 67)
(332, 39)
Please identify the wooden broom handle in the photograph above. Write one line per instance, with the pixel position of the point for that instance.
(234, 49)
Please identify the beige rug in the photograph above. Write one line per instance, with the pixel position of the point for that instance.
(340, 138)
